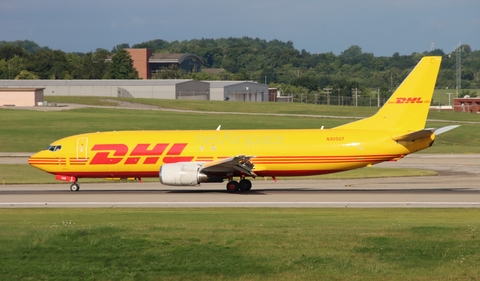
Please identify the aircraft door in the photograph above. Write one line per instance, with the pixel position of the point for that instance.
(82, 149)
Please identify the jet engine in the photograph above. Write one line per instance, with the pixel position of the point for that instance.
(183, 174)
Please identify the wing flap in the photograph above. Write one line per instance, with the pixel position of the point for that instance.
(240, 163)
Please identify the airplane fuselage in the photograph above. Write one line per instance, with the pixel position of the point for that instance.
(276, 152)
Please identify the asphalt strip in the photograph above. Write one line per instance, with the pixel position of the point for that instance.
(242, 204)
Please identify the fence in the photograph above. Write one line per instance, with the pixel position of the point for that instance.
(338, 100)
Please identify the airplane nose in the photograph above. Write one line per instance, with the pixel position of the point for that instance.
(32, 159)
(36, 160)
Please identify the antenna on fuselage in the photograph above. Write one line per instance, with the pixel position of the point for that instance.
(218, 128)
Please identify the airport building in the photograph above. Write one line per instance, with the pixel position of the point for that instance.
(21, 96)
(154, 89)
(469, 105)
(148, 63)
(238, 91)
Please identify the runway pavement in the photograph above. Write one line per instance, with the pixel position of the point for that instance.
(457, 185)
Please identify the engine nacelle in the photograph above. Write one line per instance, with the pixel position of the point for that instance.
(184, 173)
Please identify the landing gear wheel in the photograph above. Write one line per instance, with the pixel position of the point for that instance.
(75, 187)
(233, 186)
(245, 185)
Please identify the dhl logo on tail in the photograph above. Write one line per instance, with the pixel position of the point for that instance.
(402, 100)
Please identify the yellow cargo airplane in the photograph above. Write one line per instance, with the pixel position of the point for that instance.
(188, 158)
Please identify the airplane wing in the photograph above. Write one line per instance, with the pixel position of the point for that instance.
(240, 163)
(425, 133)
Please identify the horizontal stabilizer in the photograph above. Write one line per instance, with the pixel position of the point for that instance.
(445, 129)
(425, 133)
(422, 134)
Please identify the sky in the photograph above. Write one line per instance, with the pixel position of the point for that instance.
(381, 27)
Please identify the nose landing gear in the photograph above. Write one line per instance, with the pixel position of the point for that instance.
(75, 187)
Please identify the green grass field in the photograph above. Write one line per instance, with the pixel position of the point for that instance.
(239, 244)
(263, 107)
(229, 243)
(24, 130)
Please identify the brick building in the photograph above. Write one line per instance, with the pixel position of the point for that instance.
(140, 62)
(147, 63)
(471, 105)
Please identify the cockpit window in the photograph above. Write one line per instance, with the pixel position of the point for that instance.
(54, 147)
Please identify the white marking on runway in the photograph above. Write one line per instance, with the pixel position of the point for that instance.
(240, 204)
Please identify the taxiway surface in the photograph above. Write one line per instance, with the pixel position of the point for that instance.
(457, 185)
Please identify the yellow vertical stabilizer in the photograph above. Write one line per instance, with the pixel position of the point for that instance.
(407, 109)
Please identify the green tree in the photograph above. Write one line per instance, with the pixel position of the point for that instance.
(170, 72)
(121, 67)
(26, 75)
(119, 47)
(246, 59)
(4, 69)
(155, 45)
(200, 76)
(8, 51)
(11, 68)
(91, 65)
(49, 64)
(29, 46)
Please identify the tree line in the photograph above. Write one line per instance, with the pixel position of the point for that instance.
(273, 62)
(27, 60)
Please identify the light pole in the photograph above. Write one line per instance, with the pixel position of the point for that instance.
(378, 97)
(327, 91)
(356, 92)
(449, 99)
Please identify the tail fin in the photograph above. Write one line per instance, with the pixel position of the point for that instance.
(407, 109)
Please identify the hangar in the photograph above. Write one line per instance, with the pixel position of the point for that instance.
(153, 89)
(156, 89)
(238, 91)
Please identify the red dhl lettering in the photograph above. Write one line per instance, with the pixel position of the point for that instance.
(410, 100)
(102, 157)
(175, 150)
(106, 157)
(142, 150)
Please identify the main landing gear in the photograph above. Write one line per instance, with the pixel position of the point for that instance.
(235, 186)
(75, 187)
